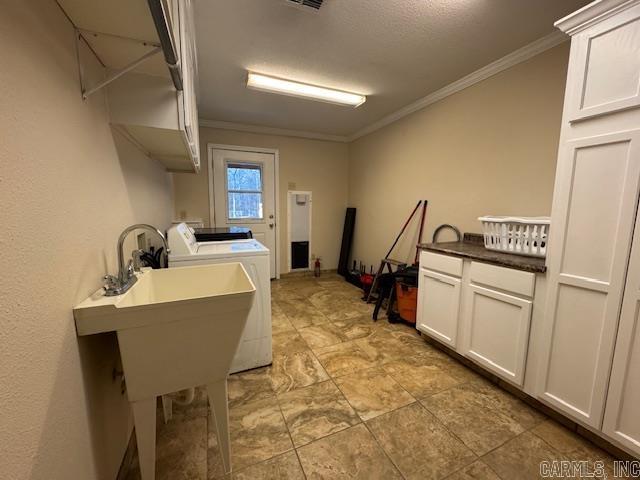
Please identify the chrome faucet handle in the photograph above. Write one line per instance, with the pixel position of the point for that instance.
(137, 260)
(130, 269)
(126, 275)
(110, 282)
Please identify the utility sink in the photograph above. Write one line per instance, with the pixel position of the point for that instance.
(177, 328)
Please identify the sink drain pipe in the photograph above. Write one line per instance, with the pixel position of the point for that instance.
(183, 398)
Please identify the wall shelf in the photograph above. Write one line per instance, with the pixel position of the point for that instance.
(151, 97)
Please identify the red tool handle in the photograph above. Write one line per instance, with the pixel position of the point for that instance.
(424, 215)
(403, 229)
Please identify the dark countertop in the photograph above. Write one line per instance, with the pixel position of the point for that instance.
(476, 251)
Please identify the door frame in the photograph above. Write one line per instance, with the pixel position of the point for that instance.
(276, 173)
(291, 193)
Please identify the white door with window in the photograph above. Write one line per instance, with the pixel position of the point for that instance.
(244, 194)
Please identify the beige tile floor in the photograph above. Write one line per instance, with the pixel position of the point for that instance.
(350, 398)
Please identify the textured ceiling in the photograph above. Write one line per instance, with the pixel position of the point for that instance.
(394, 51)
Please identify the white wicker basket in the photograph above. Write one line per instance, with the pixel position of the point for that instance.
(517, 235)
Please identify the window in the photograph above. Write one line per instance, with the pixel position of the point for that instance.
(244, 192)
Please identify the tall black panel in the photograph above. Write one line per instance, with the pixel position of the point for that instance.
(347, 240)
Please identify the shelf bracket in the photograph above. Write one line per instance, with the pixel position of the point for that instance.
(87, 91)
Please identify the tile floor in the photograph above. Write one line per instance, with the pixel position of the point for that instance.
(350, 398)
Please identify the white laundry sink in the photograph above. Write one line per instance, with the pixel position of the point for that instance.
(177, 328)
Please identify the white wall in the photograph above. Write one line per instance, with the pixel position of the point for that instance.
(68, 186)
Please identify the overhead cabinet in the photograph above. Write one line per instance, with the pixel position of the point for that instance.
(604, 60)
(589, 367)
(153, 103)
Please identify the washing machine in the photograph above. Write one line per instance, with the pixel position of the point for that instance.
(255, 345)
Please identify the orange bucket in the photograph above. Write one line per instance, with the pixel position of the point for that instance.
(407, 301)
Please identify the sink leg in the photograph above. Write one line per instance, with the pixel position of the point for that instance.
(144, 418)
(167, 408)
(217, 392)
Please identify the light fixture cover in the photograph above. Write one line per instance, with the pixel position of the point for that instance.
(267, 83)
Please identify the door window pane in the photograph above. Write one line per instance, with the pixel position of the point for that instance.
(245, 205)
(244, 178)
(244, 192)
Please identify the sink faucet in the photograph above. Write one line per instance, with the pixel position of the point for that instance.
(117, 285)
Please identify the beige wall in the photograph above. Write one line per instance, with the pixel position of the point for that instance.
(487, 150)
(68, 186)
(311, 164)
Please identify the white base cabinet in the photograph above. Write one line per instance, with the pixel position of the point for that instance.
(496, 326)
(439, 287)
(495, 317)
(439, 306)
(496, 320)
(480, 310)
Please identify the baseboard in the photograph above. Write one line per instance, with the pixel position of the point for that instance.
(307, 273)
(576, 428)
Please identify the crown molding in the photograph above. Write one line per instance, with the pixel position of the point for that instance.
(242, 127)
(514, 58)
(591, 14)
(508, 61)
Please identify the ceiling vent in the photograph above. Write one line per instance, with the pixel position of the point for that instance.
(313, 5)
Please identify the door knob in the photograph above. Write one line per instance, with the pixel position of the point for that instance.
(271, 216)
(271, 225)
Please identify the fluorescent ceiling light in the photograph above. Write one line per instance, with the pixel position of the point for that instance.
(297, 89)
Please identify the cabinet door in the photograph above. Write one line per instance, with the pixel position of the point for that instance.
(496, 331)
(189, 77)
(607, 67)
(172, 12)
(438, 306)
(622, 414)
(593, 214)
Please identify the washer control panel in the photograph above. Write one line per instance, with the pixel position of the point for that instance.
(182, 240)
